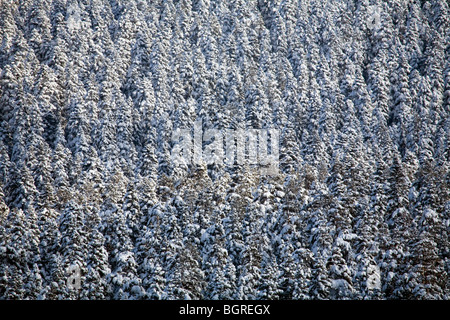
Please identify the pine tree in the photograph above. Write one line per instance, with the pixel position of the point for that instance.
(92, 205)
(73, 248)
(49, 236)
(123, 278)
(148, 255)
(20, 255)
(96, 286)
(428, 278)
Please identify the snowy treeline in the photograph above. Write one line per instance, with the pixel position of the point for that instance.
(92, 90)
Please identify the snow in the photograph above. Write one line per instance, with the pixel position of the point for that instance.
(357, 114)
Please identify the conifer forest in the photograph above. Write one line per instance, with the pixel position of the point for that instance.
(93, 205)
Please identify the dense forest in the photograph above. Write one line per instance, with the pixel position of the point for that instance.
(92, 207)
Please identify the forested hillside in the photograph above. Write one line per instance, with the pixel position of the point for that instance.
(93, 207)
